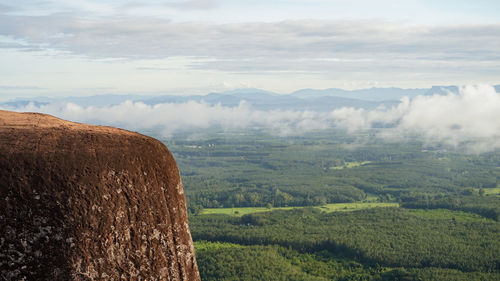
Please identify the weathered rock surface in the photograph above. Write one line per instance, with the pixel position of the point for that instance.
(81, 202)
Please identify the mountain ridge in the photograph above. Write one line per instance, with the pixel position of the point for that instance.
(303, 99)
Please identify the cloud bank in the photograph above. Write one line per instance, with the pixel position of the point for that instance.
(468, 120)
(322, 45)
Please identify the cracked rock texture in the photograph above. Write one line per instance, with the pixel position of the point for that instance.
(81, 202)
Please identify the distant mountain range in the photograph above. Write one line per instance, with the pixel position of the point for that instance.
(305, 99)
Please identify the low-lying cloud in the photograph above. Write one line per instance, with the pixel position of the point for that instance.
(468, 120)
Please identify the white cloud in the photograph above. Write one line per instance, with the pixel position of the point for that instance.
(193, 4)
(293, 45)
(278, 45)
(170, 118)
(468, 120)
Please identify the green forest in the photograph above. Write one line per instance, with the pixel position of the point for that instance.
(337, 206)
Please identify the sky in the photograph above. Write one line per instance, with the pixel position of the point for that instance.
(79, 47)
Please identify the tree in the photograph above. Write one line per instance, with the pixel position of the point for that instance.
(481, 191)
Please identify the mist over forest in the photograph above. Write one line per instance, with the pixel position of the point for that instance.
(464, 118)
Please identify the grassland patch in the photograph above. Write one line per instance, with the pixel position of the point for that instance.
(349, 165)
(328, 208)
(445, 214)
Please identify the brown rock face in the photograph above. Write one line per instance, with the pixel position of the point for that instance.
(81, 202)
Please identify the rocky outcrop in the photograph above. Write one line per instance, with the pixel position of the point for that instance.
(81, 202)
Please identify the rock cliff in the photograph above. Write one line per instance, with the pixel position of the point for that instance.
(82, 202)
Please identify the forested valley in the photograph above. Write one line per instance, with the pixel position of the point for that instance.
(336, 206)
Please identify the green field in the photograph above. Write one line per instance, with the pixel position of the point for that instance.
(241, 211)
(490, 191)
(207, 245)
(348, 165)
(347, 207)
(444, 214)
(328, 208)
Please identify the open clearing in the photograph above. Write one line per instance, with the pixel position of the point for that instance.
(349, 165)
(490, 191)
(444, 214)
(336, 207)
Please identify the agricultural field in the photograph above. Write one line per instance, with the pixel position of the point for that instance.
(336, 207)
(349, 207)
(241, 210)
(348, 165)
(444, 214)
(488, 191)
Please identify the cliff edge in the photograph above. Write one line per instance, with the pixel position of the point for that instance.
(82, 202)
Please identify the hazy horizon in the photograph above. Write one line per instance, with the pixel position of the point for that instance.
(29, 96)
(466, 120)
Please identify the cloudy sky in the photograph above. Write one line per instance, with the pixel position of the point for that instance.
(87, 47)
